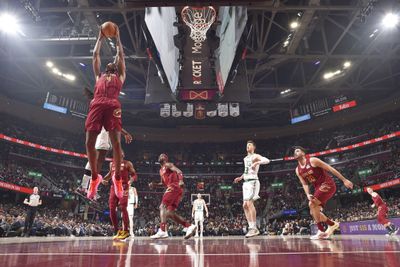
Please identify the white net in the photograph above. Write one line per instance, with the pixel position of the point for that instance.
(199, 19)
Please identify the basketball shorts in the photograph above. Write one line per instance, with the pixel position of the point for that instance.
(251, 190)
(103, 141)
(199, 216)
(325, 192)
(382, 214)
(172, 197)
(105, 114)
(131, 209)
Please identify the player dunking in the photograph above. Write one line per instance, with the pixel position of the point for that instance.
(199, 206)
(133, 201)
(382, 212)
(251, 186)
(172, 178)
(105, 111)
(128, 176)
(311, 170)
(103, 145)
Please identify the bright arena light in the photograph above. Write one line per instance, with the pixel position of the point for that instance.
(9, 24)
(49, 64)
(294, 25)
(347, 64)
(390, 20)
(328, 75)
(55, 70)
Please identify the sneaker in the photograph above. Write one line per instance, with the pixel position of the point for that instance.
(319, 236)
(94, 184)
(160, 234)
(196, 235)
(331, 229)
(252, 232)
(201, 235)
(396, 230)
(118, 189)
(123, 236)
(115, 237)
(191, 231)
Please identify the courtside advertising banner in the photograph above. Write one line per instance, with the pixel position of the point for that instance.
(369, 227)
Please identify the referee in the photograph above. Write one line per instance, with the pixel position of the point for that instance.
(33, 201)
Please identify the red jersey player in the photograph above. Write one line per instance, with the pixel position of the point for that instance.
(128, 175)
(382, 212)
(172, 178)
(311, 170)
(105, 111)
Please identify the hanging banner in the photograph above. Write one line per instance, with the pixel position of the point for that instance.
(189, 111)
(222, 109)
(212, 113)
(350, 147)
(234, 109)
(165, 110)
(200, 111)
(17, 188)
(387, 184)
(175, 112)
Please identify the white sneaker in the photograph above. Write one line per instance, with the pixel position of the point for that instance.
(331, 229)
(201, 235)
(191, 231)
(160, 234)
(197, 235)
(319, 236)
(252, 232)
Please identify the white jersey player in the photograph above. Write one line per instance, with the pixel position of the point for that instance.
(133, 201)
(251, 185)
(199, 206)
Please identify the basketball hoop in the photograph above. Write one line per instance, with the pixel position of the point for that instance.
(199, 20)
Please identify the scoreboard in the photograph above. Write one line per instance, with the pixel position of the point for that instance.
(321, 107)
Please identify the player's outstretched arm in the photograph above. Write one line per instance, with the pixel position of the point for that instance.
(259, 160)
(132, 171)
(96, 56)
(120, 58)
(306, 187)
(316, 162)
(107, 178)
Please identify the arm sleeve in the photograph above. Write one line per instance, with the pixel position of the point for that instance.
(264, 160)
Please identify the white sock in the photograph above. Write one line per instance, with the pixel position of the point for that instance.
(252, 225)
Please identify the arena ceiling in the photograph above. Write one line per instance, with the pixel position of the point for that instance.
(281, 75)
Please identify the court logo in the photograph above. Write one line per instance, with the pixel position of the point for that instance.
(117, 113)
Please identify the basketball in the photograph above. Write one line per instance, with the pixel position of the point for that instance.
(109, 29)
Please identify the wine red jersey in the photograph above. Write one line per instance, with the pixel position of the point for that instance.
(107, 88)
(124, 171)
(169, 178)
(314, 175)
(378, 201)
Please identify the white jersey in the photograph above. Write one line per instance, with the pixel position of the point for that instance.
(103, 141)
(131, 196)
(199, 205)
(250, 173)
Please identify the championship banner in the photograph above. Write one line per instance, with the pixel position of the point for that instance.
(175, 112)
(387, 184)
(234, 109)
(222, 110)
(354, 146)
(369, 227)
(189, 111)
(165, 110)
(17, 188)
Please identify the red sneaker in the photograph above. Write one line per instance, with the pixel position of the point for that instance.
(118, 189)
(94, 184)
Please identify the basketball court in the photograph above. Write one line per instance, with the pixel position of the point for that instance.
(299, 251)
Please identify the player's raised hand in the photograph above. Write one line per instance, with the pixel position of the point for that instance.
(348, 184)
